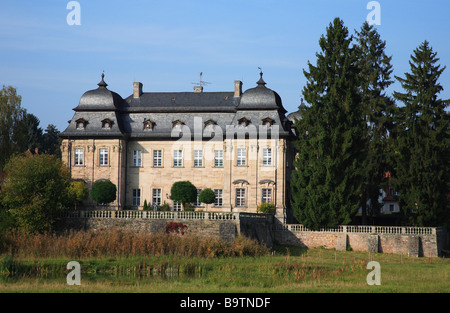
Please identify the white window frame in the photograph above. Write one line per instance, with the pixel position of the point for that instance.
(156, 196)
(157, 158)
(176, 206)
(177, 158)
(266, 195)
(136, 197)
(103, 157)
(79, 157)
(198, 158)
(218, 158)
(241, 157)
(241, 197)
(267, 157)
(218, 197)
(137, 158)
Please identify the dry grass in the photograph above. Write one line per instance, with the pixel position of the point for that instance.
(116, 242)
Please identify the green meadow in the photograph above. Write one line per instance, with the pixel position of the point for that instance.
(241, 266)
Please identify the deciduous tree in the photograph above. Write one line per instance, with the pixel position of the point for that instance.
(35, 190)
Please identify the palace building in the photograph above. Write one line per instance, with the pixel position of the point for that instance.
(237, 143)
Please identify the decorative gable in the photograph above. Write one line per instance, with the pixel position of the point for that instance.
(107, 123)
(148, 124)
(177, 123)
(80, 123)
(267, 121)
(243, 121)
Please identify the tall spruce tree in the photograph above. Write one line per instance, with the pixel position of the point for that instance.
(375, 77)
(422, 142)
(331, 145)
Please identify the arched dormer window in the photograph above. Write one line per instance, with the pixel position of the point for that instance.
(148, 124)
(107, 123)
(80, 123)
(210, 123)
(177, 124)
(243, 121)
(267, 121)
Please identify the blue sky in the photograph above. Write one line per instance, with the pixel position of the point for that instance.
(166, 44)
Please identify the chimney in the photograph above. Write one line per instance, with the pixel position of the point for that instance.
(198, 89)
(237, 88)
(137, 89)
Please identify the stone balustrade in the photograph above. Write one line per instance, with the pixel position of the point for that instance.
(182, 215)
(363, 229)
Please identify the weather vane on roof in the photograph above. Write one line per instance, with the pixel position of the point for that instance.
(201, 82)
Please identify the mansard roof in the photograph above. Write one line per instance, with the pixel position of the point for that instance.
(164, 108)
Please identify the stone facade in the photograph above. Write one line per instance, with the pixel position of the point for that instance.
(238, 144)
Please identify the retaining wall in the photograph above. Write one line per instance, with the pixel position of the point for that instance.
(412, 241)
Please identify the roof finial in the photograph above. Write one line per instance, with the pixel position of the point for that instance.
(261, 81)
(102, 83)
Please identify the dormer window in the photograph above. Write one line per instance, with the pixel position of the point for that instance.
(243, 122)
(148, 124)
(210, 123)
(267, 121)
(81, 123)
(177, 124)
(106, 123)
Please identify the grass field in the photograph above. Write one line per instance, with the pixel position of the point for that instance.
(286, 270)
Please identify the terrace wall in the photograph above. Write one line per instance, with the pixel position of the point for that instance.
(412, 241)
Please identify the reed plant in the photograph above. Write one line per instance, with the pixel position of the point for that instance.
(116, 242)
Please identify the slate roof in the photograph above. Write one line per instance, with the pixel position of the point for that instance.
(191, 109)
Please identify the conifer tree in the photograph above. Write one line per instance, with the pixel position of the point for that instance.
(331, 145)
(422, 147)
(375, 71)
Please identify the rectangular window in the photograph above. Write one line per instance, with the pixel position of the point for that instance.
(157, 158)
(267, 195)
(267, 157)
(137, 158)
(78, 156)
(177, 158)
(240, 197)
(197, 202)
(136, 197)
(156, 198)
(218, 200)
(198, 158)
(240, 157)
(103, 157)
(218, 158)
(391, 207)
(176, 206)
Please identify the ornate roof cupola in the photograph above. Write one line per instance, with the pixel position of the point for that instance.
(102, 84)
(100, 99)
(97, 114)
(261, 82)
(260, 98)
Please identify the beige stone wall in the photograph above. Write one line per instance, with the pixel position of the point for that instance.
(146, 177)
(91, 170)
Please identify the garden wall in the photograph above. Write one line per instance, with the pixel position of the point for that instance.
(224, 226)
(412, 241)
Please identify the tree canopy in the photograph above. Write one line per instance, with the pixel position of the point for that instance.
(183, 192)
(103, 192)
(421, 142)
(331, 145)
(35, 190)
